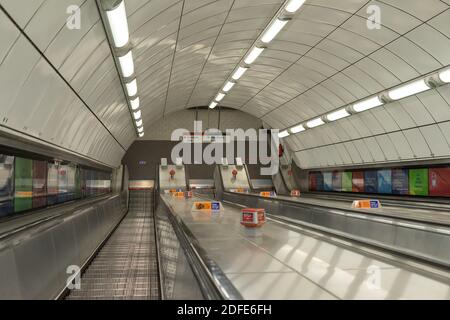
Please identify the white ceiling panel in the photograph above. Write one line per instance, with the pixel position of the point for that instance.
(185, 50)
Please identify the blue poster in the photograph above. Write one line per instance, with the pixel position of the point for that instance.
(337, 181)
(385, 181)
(370, 181)
(319, 181)
(6, 208)
(400, 181)
(327, 181)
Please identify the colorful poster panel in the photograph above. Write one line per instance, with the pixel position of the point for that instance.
(78, 183)
(6, 185)
(319, 181)
(327, 181)
(23, 173)
(39, 184)
(337, 181)
(370, 181)
(440, 182)
(400, 184)
(418, 182)
(384, 181)
(358, 181)
(313, 181)
(63, 183)
(52, 184)
(347, 181)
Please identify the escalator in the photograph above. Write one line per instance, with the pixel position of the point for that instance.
(126, 267)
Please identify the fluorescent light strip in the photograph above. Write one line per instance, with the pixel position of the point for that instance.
(139, 123)
(117, 19)
(132, 88)
(141, 135)
(315, 123)
(273, 30)
(137, 115)
(135, 104)
(294, 5)
(141, 129)
(219, 97)
(253, 55)
(408, 90)
(445, 76)
(398, 93)
(127, 65)
(239, 73)
(297, 129)
(213, 105)
(368, 104)
(283, 134)
(228, 86)
(342, 113)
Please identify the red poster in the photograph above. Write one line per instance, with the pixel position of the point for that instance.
(439, 181)
(313, 181)
(358, 181)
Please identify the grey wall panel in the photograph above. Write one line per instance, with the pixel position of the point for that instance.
(66, 249)
(10, 286)
(36, 266)
(34, 261)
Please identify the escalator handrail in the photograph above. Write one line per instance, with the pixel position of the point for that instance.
(66, 209)
(213, 282)
(428, 224)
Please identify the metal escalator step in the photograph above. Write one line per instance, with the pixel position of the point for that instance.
(126, 266)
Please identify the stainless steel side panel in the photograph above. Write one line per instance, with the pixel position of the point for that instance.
(425, 241)
(34, 260)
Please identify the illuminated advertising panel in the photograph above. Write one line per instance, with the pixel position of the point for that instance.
(418, 182)
(23, 172)
(327, 181)
(6, 185)
(400, 180)
(439, 182)
(370, 181)
(52, 184)
(347, 181)
(39, 184)
(384, 181)
(337, 181)
(319, 177)
(313, 181)
(358, 181)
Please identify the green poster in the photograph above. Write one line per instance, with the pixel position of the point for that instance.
(23, 199)
(418, 182)
(347, 185)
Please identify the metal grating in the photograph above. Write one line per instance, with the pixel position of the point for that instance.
(126, 266)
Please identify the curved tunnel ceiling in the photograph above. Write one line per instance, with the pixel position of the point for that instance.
(184, 50)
